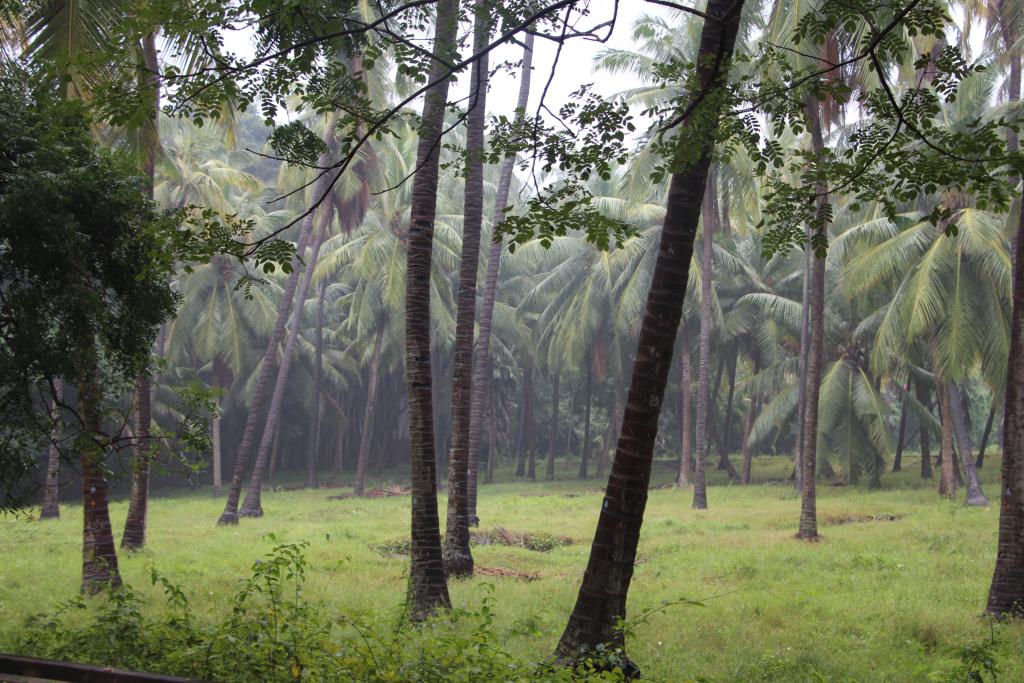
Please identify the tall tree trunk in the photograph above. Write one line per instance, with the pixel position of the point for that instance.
(51, 487)
(531, 427)
(611, 434)
(1006, 594)
(253, 507)
(586, 422)
(553, 443)
(685, 380)
(980, 462)
(99, 558)
(492, 439)
(428, 589)
(318, 387)
(921, 392)
(215, 443)
(805, 342)
(368, 407)
(570, 428)
(724, 463)
(808, 530)
(897, 461)
(463, 464)
(259, 391)
(748, 424)
(134, 536)
(947, 478)
(522, 449)
(601, 602)
(975, 496)
(700, 490)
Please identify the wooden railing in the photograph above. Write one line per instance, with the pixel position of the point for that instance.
(69, 672)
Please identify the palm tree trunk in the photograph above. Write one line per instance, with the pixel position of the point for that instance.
(1006, 594)
(521, 437)
(492, 439)
(980, 462)
(897, 461)
(531, 426)
(724, 463)
(700, 490)
(601, 603)
(259, 391)
(99, 558)
(586, 423)
(553, 443)
(611, 434)
(808, 530)
(51, 487)
(428, 589)
(685, 380)
(371, 401)
(134, 536)
(748, 424)
(570, 428)
(253, 507)
(318, 387)
(975, 496)
(805, 341)
(947, 479)
(921, 392)
(462, 466)
(215, 439)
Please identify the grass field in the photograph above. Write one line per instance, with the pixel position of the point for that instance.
(891, 593)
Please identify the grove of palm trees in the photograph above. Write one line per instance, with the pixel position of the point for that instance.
(548, 340)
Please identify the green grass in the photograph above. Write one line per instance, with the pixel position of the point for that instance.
(876, 600)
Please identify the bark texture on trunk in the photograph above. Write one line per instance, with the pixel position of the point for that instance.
(318, 387)
(700, 485)
(980, 462)
(947, 476)
(601, 601)
(585, 459)
(748, 452)
(531, 434)
(253, 505)
(463, 464)
(1006, 594)
(553, 443)
(897, 461)
(921, 392)
(134, 536)
(805, 341)
(685, 380)
(808, 529)
(51, 486)
(99, 557)
(371, 401)
(428, 588)
(975, 496)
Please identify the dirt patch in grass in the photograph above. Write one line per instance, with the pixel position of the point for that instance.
(506, 573)
(382, 492)
(838, 520)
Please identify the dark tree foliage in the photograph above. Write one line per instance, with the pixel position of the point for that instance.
(84, 261)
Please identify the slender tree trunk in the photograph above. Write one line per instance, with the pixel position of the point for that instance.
(1006, 594)
(553, 443)
(805, 342)
(610, 436)
(462, 465)
(748, 424)
(975, 496)
(570, 428)
(531, 427)
(897, 461)
(259, 391)
(99, 558)
(318, 387)
(700, 491)
(215, 439)
(601, 602)
(428, 589)
(492, 440)
(685, 380)
(947, 478)
(724, 463)
(521, 449)
(921, 391)
(586, 422)
(51, 487)
(808, 530)
(368, 407)
(980, 462)
(134, 536)
(253, 507)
